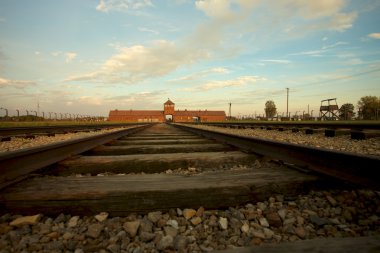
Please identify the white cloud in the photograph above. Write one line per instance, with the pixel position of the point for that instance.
(15, 83)
(201, 74)
(56, 53)
(342, 21)
(277, 61)
(239, 81)
(136, 63)
(90, 100)
(322, 51)
(122, 5)
(354, 61)
(218, 37)
(144, 29)
(70, 56)
(219, 9)
(374, 35)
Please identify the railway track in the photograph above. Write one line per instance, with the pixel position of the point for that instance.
(165, 167)
(6, 133)
(131, 162)
(357, 130)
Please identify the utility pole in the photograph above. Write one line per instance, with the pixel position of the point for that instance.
(287, 102)
(229, 112)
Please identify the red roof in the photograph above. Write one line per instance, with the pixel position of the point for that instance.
(169, 102)
(199, 113)
(136, 113)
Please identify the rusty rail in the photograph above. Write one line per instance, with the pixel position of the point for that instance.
(17, 164)
(355, 168)
(304, 124)
(13, 131)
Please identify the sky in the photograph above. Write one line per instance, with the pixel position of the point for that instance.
(89, 57)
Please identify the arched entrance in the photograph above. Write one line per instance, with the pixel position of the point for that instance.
(169, 118)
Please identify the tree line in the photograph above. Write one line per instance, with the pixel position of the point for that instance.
(368, 109)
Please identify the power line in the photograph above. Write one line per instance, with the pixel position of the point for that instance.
(340, 78)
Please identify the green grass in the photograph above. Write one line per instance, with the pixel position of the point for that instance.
(57, 123)
(348, 122)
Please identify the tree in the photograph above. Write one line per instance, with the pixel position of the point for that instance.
(346, 111)
(369, 107)
(270, 109)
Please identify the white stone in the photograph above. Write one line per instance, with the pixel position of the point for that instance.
(172, 223)
(73, 222)
(223, 223)
(131, 227)
(26, 220)
(263, 222)
(102, 216)
(268, 233)
(244, 228)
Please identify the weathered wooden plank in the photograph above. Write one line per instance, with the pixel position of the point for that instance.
(121, 195)
(325, 245)
(160, 137)
(364, 135)
(151, 149)
(152, 163)
(160, 141)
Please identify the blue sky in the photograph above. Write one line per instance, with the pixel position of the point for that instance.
(91, 56)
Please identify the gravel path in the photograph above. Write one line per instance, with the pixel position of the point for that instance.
(342, 143)
(279, 219)
(21, 143)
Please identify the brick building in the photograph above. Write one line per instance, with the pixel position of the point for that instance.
(168, 114)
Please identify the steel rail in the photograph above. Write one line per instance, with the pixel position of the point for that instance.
(355, 168)
(17, 164)
(329, 125)
(12, 131)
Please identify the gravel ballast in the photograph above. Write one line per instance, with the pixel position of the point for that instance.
(319, 214)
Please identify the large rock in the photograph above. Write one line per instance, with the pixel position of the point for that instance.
(196, 220)
(73, 222)
(154, 216)
(101, 217)
(165, 242)
(172, 223)
(245, 228)
(146, 236)
(315, 219)
(94, 230)
(264, 222)
(223, 223)
(300, 232)
(189, 213)
(131, 227)
(146, 225)
(180, 243)
(331, 200)
(274, 219)
(26, 220)
(171, 231)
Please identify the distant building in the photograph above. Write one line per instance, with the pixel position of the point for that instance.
(168, 114)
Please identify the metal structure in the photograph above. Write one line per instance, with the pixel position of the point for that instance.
(329, 111)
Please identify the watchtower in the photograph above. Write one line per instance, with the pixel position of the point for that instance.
(169, 110)
(329, 111)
